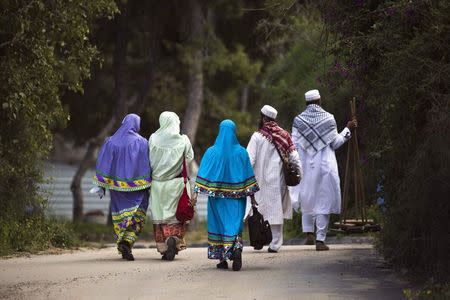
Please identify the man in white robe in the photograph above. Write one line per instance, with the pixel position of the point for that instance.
(274, 202)
(316, 137)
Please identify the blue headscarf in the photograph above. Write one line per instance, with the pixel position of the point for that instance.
(123, 162)
(225, 170)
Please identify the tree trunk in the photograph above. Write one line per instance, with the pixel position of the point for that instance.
(137, 99)
(120, 74)
(244, 99)
(195, 82)
(87, 161)
(124, 102)
(119, 66)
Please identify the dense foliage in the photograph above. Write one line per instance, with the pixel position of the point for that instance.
(157, 40)
(394, 56)
(44, 51)
(298, 66)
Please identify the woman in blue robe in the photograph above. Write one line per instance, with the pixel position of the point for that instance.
(123, 167)
(226, 176)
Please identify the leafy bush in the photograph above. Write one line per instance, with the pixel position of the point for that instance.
(394, 56)
(88, 232)
(62, 234)
(429, 292)
(44, 51)
(33, 234)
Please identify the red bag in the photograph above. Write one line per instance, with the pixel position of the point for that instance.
(185, 211)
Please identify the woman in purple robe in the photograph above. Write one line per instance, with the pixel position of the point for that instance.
(123, 167)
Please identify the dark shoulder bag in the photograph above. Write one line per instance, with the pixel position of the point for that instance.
(290, 172)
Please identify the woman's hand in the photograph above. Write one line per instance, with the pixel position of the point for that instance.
(193, 201)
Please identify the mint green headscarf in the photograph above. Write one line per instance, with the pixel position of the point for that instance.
(168, 134)
(167, 146)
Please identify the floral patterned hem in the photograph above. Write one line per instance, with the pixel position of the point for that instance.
(128, 224)
(122, 185)
(226, 193)
(222, 247)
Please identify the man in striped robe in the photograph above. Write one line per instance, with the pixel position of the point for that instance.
(273, 199)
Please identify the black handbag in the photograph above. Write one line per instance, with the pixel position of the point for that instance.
(259, 230)
(290, 172)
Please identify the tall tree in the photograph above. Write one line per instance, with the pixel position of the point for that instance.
(162, 35)
(394, 56)
(195, 64)
(45, 50)
(120, 73)
(126, 96)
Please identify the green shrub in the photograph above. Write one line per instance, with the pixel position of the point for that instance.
(394, 55)
(88, 232)
(429, 292)
(34, 234)
(62, 235)
(45, 51)
(374, 213)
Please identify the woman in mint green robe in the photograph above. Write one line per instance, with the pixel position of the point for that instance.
(167, 150)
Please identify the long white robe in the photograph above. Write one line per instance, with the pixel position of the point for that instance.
(319, 191)
(274, 202)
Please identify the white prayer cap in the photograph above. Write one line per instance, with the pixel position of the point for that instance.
(312, 95)
(269, 111)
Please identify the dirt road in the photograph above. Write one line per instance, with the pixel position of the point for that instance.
(297, 272)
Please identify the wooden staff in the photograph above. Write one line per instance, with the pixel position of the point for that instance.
(358, 182)
(345, 199)
(345, 196)
(355, 157)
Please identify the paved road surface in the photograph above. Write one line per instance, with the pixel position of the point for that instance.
(297, 272)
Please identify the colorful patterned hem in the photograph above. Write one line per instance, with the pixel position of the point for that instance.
(126, 185)
(222, 247)
(226, 189)
(128, 224)
(163, 231)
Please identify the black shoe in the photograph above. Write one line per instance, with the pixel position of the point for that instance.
(320, 246)
(171, 248)
(258, 247)
(310, 240)
(222, 265)
(237, 260)
(163, 257)
(270, 250)
(125, 249)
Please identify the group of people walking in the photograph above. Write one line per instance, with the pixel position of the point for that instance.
(233, 177)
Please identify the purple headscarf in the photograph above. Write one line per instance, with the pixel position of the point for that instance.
(123, 161)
